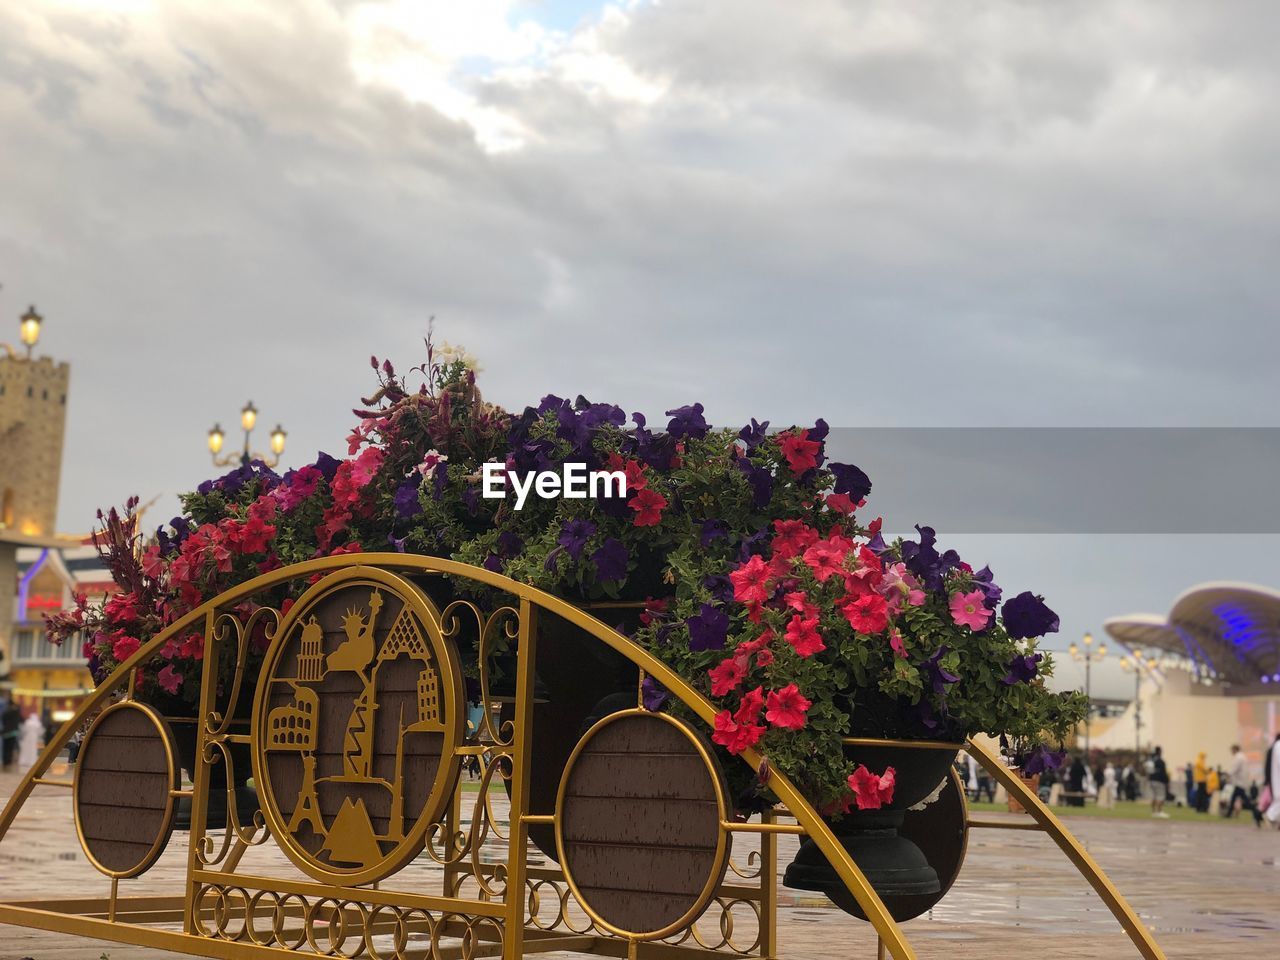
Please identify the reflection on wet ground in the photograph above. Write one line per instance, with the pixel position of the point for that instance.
(1208, 890)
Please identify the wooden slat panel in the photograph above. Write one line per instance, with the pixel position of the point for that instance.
(640, 824)
(122, 790)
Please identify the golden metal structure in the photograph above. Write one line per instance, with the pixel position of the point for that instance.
(490, 897)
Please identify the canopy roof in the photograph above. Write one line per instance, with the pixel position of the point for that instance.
(1227, 630)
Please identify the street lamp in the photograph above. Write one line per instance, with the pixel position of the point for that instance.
(248, 420)
(28, 333)
(1137, 665)
(1088, 656)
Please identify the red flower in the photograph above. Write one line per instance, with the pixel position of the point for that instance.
(866, 614)
(869, 791)
(152, 563)
(799, 601)
(791, 537)
(787, 707)
(800, 451)
(193, 646)
(636, 480)
(122, 608)
(169, 679)
(727, 676)
(841, 503)
(734, 736)
(749, 581)
(895, 641)
(802, 634)
(764, 658)
(648, 505)
(748, 647)
(825, 559)
(123, 647)
(750, 707)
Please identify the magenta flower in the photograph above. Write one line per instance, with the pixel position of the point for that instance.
(969, 609)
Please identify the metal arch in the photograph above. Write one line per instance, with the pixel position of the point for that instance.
(531, 600)
(1088, 867)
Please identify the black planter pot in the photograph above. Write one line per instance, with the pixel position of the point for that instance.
(184, 735)
(892, 864)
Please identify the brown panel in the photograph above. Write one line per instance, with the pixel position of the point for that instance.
(354, 725)
(123, 804)
(639, 824)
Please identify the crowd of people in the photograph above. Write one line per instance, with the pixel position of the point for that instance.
(1228, 792)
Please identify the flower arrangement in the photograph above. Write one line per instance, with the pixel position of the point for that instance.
(761, 585)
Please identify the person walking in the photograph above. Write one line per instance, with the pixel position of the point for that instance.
(1237, 778)
(1201, 774)
(1075, 782)
(1271, 783)
(1107, 792)
(1159, 780)
(29, 739)
(10, 721)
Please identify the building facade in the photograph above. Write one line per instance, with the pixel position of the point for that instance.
(43, 677)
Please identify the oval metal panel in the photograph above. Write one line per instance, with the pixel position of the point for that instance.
(638, 824)
(356, 722)
(125, 774)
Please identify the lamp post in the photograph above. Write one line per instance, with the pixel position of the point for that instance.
(28, 333)
(1088, 656)
(1137, 665)
(248, 419)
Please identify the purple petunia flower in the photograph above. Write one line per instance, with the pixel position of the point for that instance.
(574, 535)
(397, 543)
(327, 465)
(653, 694)
(687, 422)
(611, 561)
(761, 481)
(406, 498)
(939, 677)
(1027, 616)
(1022, 669)
(719, 586)
(509, 543)
(984, 581)
(708, 628)
(711, 531)
(850, 480)
(1040, 759)
(753, 434)
(471, 500)
(925, 562)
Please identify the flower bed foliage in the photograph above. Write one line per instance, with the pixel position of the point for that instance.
(762, 584)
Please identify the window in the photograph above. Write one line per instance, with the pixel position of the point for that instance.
(30, 646)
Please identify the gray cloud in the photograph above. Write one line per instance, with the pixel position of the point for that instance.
(927, 214)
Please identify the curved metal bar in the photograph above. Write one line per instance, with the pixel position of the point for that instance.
(1068, 844)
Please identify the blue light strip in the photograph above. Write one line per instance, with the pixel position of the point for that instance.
(24, 584)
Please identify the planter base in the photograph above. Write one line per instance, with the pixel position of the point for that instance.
(892, 864)
(216, 815)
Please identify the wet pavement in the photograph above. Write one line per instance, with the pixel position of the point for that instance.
(1207, 890)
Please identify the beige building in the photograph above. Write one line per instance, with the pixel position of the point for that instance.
(1216, 681)
(33, 414)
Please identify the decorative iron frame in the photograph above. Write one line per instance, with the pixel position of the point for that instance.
(230, 915)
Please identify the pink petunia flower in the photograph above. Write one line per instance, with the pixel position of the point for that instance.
(968, 610)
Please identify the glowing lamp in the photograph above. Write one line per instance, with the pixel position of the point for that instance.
(248, 416)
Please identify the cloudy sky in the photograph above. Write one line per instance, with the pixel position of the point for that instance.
(888, 214)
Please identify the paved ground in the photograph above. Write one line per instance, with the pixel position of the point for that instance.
(1208, 890)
